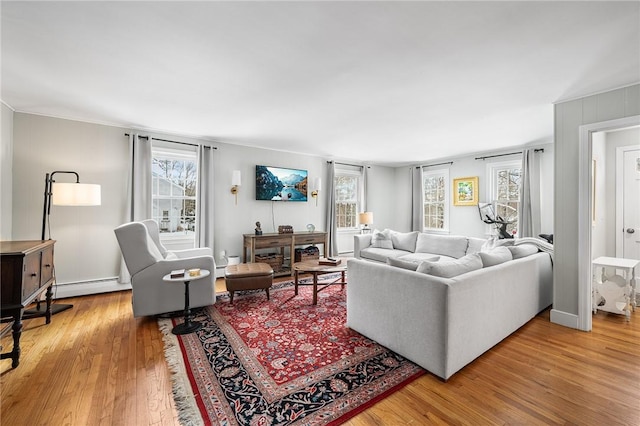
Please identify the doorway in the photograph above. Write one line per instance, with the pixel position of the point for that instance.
(591, 208)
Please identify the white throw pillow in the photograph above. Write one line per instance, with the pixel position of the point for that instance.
(451, 268)
(404, 240)
(381, 239)
(522, 250)
(496, 256)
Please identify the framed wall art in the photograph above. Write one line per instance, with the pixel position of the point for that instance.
(465, 191)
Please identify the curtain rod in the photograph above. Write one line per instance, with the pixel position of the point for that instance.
(347, 164)
(510, 153)
(167, 140)
(439, 164)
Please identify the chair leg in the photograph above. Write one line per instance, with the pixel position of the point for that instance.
(231, 293)
(267, 290)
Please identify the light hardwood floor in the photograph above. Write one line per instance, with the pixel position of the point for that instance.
(97, 365)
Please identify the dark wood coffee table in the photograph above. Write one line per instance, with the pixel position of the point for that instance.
(314, 268)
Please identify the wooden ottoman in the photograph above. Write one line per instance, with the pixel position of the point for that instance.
(248, 276)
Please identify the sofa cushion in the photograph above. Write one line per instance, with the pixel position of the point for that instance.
(495, 257)
(451, 268)
(405, 264)
(522, 250)
(404, 240)
(419, 257)
(381, 239)
(380, 254)
(448, 245)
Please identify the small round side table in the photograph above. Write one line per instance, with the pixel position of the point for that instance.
(187, 326)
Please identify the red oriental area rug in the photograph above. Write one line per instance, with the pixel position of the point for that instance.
(279, 362)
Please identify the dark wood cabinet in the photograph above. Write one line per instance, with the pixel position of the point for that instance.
(26, 271)
(281, 242)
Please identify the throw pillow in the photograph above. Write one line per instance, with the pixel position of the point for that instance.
(522, 250)
(405, 264)
(452, 268)
(381, 240)
(446, 245)
(495, 257)
(404, 241)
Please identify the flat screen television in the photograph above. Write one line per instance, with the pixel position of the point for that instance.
(281, 184)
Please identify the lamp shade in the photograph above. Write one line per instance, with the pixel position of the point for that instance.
(317, 184)
(75, 194)
(366, 218)
(236, 178)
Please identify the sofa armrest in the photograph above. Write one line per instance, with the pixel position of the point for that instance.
(360, 242)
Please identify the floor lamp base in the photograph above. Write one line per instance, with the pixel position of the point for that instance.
(42, 310)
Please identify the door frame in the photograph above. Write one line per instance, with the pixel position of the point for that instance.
(584, 211)
(620, 151)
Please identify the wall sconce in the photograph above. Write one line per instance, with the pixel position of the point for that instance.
(236, 181)
(65, 194)
(366, 219)
(317, 186)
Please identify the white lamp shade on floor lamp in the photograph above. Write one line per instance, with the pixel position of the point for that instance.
(75, 194)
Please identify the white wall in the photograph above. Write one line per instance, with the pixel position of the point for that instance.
(6, 170)
(465, 220)
(86, 248)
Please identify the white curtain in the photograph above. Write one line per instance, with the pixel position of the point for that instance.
(138, 188)
(529, 214)
(417, 199)
(205, 197)
(365, 186)
(332, 224)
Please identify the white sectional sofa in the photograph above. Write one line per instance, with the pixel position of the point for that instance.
(448, 311)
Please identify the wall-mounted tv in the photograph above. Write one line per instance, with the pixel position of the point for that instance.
(280, 184)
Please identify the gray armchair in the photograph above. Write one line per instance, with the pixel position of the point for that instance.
(148, 261)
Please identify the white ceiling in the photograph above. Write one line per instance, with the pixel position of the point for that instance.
(380, 82)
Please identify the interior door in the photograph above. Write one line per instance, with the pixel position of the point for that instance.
(631, 210)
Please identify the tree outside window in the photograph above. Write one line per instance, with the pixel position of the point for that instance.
(174, 183)
(505, 189)
(347, 195)
(435, 186)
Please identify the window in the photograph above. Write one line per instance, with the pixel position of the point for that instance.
(504, 190)
(173, 192)
(348, 192)
(435, 185)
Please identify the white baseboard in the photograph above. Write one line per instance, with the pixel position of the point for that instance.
(564, 318)
(61, 291)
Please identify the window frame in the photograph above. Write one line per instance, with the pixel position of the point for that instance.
(165, 151)
(359, 196)
(492, 190)
(444, 172)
